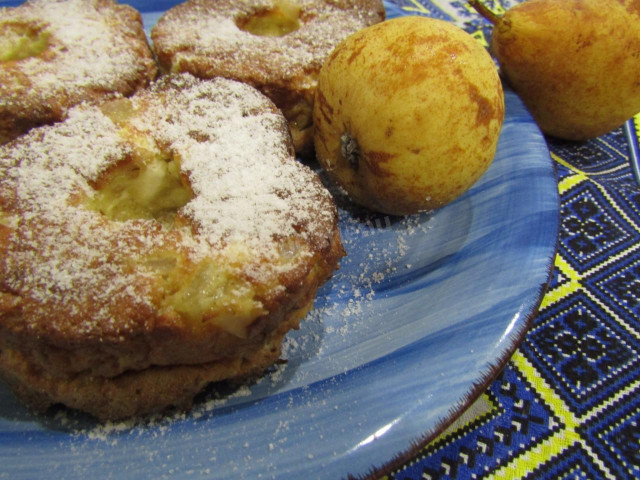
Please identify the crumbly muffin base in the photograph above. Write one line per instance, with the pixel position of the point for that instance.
(137, 393)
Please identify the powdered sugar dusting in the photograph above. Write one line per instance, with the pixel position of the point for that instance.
(205, 31)
(93, 47)
(233, 147)
(247, 186)
(85, 145)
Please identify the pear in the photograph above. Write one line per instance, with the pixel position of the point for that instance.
(408, 114)
(574, 63)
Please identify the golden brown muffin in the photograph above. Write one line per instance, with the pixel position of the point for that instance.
(56, 54)
(277, 46)
(168, 239)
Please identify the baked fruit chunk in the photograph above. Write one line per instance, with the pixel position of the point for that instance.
(58, 53)
(278, 46)
(151, 245)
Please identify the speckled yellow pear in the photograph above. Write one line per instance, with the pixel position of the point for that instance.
(407, 114)
(574, 63)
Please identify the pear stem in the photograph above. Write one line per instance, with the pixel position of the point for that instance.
(482, 9)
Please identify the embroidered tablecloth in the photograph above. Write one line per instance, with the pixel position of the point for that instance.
(567, 405)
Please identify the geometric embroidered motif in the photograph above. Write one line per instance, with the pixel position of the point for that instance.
(558, 278)
(591, 231)
(629, 197)
(614, 435)
(618, 285)
(573, 463)
(517, 421)
(603, 158)
(579, 350)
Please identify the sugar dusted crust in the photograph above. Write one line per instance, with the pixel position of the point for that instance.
(203, 37)
(90, 48)
(84, 296)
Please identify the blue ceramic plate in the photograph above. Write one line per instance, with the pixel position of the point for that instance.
(423, 313)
